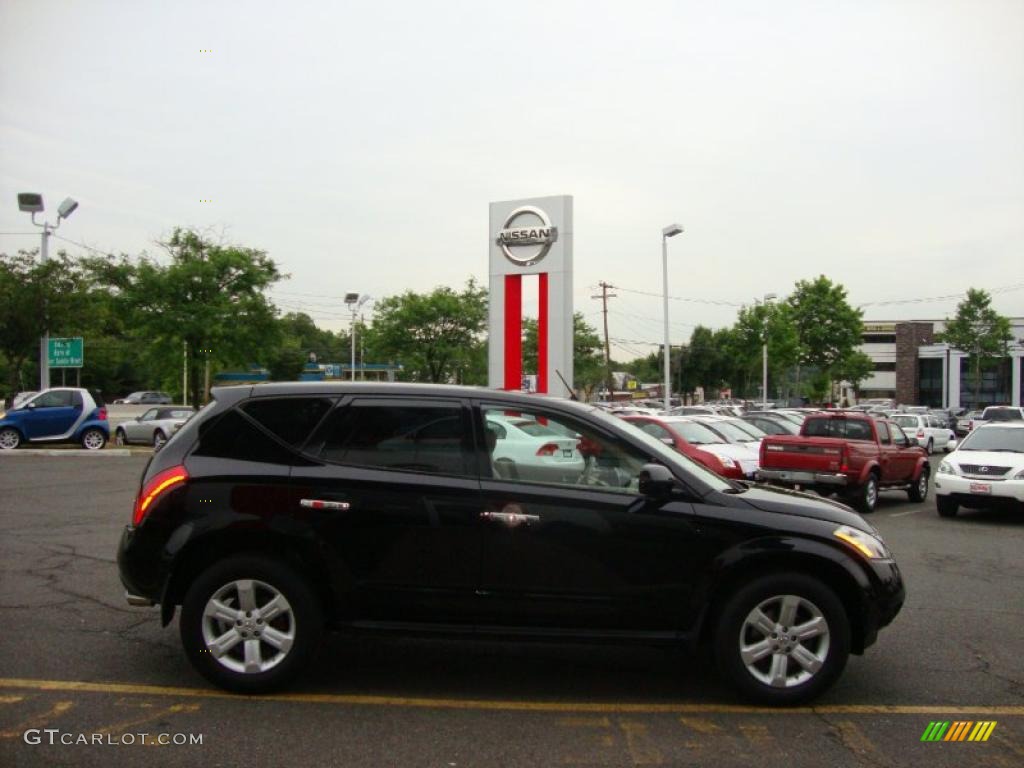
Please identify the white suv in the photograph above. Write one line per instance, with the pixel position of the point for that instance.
(929, 430)
(986, 470)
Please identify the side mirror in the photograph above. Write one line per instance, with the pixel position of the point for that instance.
(669, 442)
(913, 443)
(656, 481)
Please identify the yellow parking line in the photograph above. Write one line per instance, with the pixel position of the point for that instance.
(510, 705)
(35, 721)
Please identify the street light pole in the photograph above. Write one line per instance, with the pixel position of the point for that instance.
(670, 231)
(764, 354)
(31, 202)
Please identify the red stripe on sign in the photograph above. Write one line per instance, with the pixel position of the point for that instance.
(514, 332)
(542, 334)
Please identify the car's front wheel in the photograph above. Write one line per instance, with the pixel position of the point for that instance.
(783, 639)
(249, 624)
(10, 439)
(120, 438)
(159, 438)
(93, 439)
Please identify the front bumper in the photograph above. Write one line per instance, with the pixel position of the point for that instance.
(979, 488)
(797, 477)
(885, 600)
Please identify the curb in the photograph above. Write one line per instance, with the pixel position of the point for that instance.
(118, 452)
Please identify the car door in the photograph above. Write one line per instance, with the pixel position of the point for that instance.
(584, 553)
(53, 413)
(905, 455)
(398, 481)
(141, 431)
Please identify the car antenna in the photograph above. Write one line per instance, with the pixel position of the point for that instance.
(572, 394)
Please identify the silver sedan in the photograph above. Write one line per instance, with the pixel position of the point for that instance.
(154, 427)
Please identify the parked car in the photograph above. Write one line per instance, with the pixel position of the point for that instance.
(995, 413)
(526, 447)
(154, 427)
(849, 453)
(282, 509)
(670, 431)
(930, 431)
(985, 470)
(57, 415)
(963, 424)
(145, 398)
(733, 430)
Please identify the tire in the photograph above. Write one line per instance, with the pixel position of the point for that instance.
(918, 492)
(93, 439)
(866, 497)
(159, 438)
(297, 628)
(930, 448)
(748, 656)
(10, 439)
(120, 438)
(946, 506)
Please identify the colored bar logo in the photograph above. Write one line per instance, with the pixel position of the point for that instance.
(960, 730)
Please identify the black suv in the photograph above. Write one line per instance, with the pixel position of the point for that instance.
(280, 509)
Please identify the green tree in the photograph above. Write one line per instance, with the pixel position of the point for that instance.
(980, 331)
(588, 355)
(207, 302)
(33, 297)
(435, 336)
(827, 328)
(854, 368)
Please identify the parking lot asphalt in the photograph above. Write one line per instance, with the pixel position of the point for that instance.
(77, 662)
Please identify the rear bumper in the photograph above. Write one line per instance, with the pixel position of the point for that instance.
(798, 477)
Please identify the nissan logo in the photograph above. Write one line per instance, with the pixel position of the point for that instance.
(529, 242)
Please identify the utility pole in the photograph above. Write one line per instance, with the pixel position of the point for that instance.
(607, 346)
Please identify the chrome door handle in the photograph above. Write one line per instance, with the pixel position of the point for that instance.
(340, 506)
(511, 519)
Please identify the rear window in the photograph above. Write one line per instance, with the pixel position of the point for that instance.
(233, 436)
(292, 419)
(1002, 414)
(848, 429)
(402, 436)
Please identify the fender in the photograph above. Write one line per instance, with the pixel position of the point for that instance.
(866, 470)
(920, 466)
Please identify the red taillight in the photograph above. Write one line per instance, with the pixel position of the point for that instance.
(103, 414)
(920, 433)
(160, 484)
(548, 449)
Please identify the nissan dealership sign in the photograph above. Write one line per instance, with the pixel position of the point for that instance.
(530, 241)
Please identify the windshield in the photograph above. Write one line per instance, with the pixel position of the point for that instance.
(666, 455)
(1002, 414)
(994, 439)
(731, 432)
(751, 429)
(906, 421)
(696, 434)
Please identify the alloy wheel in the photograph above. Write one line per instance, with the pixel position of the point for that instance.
(248, 626)
(784, 641)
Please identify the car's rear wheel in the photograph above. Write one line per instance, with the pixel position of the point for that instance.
(783, 639)
(946, 506)
(10, 439)
(159, 438)
(120, 438)
(249, 624)
(93, 439)
(866, 497)
(919, 490)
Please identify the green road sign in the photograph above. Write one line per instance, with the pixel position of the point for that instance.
(66, 353)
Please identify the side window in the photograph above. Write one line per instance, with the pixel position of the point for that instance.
(60, 398)
(883, 432)
(290, 418)
(149, 415)
(544, 447)
(232, 436)
(899, 438)
(429, 437)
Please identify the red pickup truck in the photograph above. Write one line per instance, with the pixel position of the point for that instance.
(848, 453)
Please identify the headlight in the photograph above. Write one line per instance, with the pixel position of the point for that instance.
(3, 415)
(949, 468)
(871, 547)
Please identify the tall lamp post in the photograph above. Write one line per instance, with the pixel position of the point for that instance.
(31, 202)
(355, 303)
(670, 231)
(768, 297)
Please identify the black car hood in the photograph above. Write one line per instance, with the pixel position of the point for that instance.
(787, 502)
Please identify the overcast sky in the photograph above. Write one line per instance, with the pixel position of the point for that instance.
(878, 142)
